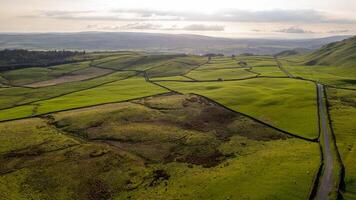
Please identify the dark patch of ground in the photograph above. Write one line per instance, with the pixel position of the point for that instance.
(169, 128)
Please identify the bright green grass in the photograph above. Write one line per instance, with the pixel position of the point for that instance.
(120, 62)
(220, 74)
(285, 103)
(117, 91)
(155, 65)
(260, 63)
(176, 67)
(338, 76)
(17, 96)
(113, 57)
(268, 71)
(343, 112)
(35, 74)
(282, 169)
(219, 62)
(254, 58)
(171, 78)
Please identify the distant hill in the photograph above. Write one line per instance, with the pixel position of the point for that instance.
(195, 44)
(341, 53)
(292, 52)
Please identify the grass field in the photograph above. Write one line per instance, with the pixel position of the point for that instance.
(79, 75)
(269, 170)
(17, 96)
(36, 74)
(268, 71)
(164, 147)
(46, 164)
(110, 128)
(112, 92)
(285, 103)
(220, 62)
(337, 76)
(258, 61)
(343, 110)
(170, 78)
(220, 74)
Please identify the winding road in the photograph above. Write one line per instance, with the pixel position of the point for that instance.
(326, 181)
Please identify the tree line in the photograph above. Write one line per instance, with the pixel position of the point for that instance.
(20, 58)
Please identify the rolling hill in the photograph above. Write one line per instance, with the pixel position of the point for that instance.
(341, 53)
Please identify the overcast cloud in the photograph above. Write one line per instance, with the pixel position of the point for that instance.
(223, 18)
(151, 26)
(233, 15)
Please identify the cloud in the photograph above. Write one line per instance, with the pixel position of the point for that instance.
(230, 15)
(202, 27)
(152, 26)
(141, 26)
(294, 30)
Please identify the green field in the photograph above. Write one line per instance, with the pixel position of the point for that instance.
(258, 61)
(143, 125)
(285, 103)
(220, 74)
(269, 170)
(134, 149)
(36, 74)
(112, 92)
(268, 71)
(336, 76)
(342, 113)
(15, 96)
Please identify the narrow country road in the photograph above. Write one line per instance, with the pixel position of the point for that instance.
(326, 181)
(283, 69)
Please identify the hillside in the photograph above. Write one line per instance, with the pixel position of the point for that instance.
(341, 53)
(181, 43)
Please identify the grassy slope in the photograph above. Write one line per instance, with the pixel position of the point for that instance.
(49, 165)
(171, 78)
(219, 62)
(17, 96)
(35, 74)
(287, 104)
(332, 75)
(332, 64)
(343, 110)
(176, 66)
(268, 170)
(112, 92)
(260, 163)
(220, 74)
(268, 71)
(341, 53)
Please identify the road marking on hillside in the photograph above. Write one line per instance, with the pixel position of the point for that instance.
(326, 181)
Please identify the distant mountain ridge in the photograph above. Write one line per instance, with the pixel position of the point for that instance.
(342, 53)
(195, 44)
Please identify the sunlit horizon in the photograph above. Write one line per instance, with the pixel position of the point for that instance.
(225, 18)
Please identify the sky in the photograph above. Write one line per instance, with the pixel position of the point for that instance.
(221, 18)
